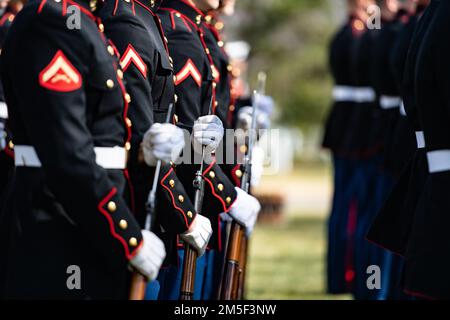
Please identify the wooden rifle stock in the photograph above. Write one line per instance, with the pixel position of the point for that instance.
(242, 268)
(189, 268)
(229, 288)
(138, 286)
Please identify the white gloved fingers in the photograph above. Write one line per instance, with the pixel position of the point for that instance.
(149, 258)
(209, 119)
(198, 234)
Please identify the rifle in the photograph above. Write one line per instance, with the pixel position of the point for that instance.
(138, 281)
(190, 254)
(236, 258)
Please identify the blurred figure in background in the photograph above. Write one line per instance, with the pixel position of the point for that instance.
(341, 224)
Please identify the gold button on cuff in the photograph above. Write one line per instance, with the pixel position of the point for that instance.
(133, 242)
(207, 51)
(171, 183)
(189, 214)
(181, 198)
(11, 144)
(111, 50)
(123, 224)
(238, 173)
(228, 200)
(219, 25)
(127, 146)
(220, 44)
(208, 18)
(127, 98)
(110, 83)
(212, 175)
(120, 74)
(220, 187)
(101, 27)
(175, 98)
(178, 15)
(129, 123)
(166, 40)
(112, 207)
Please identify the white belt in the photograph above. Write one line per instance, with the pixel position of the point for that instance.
(390, 102)
(353, 94)
(108, 158)
(438, 161)
(420, 138)
(402, 109)
(3, 110)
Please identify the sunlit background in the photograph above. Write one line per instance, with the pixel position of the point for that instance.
(289, 41)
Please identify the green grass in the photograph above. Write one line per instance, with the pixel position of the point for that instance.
(287, 260)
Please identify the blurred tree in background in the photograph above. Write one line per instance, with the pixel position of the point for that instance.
(289, 40)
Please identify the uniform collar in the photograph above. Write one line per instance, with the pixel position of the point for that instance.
(186, 8)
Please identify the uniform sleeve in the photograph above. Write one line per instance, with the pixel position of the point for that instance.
(138, 66)
(192, 78)
(56, 124)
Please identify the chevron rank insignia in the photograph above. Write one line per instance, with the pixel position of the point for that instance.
(60, 75)
(131, 56)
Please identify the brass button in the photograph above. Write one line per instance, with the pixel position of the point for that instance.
(181, 198)
(166, 40)
(127, 146)
(178, 14)
(219, 25)
(220, 44)
(216, 103)
(175, 79)
(207, 51)
(133, 242)
(129, 123)
(127, 98)
(232, 107)
(208, 18)
(243, 148)
(198, 19)
(175, 98)
(230, 68)
(220, 187)
(189, 214)
(123, 224)
(214, 84)
(175, 118)
(171, 183)
(127, 0)
(110, 83)
(112, 207)
(170, 60)
(101, 27)
(238, 173)
(11, 144)
(111, 50)
(120, 74)
(228, 200)
(212, 174)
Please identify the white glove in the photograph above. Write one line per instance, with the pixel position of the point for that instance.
(2, 136)
(245, 119)
(149, 258)
(265, 104)
(162, 142)
(198, 234)
(245, 210)
(207, 131)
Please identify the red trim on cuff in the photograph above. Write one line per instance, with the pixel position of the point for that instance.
(173, 198)
(102, 203)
